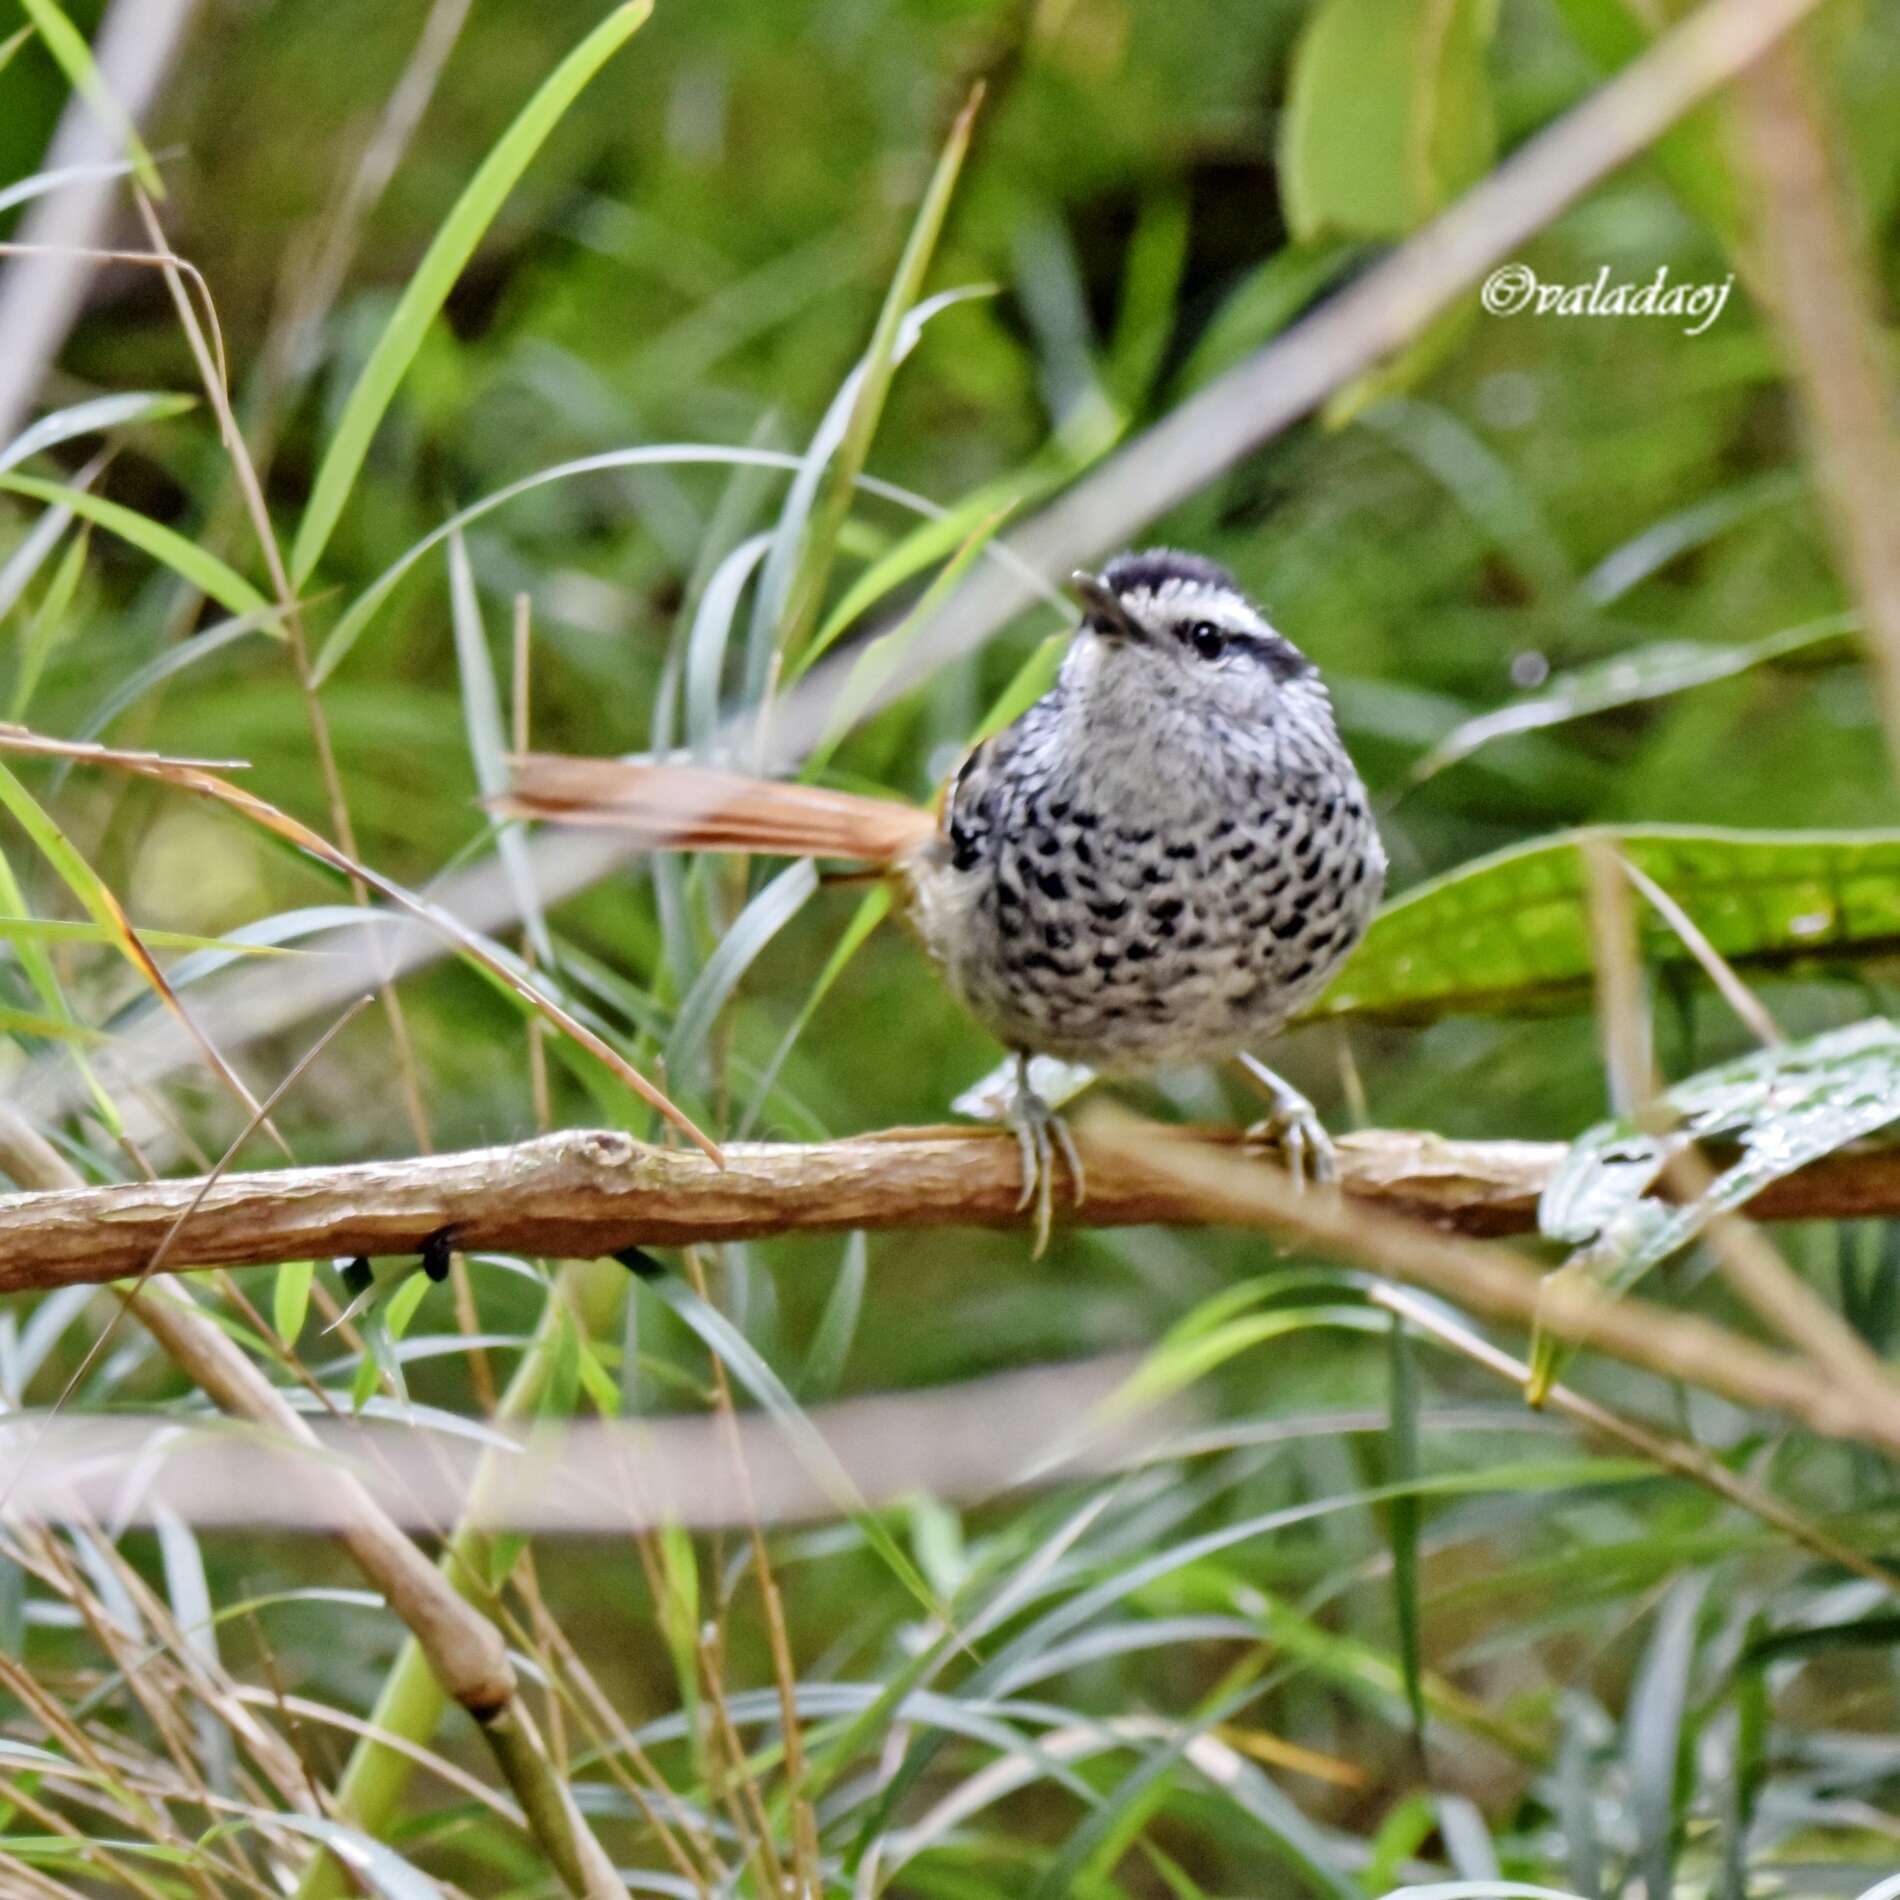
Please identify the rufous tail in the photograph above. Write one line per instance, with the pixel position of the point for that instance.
(693, 808)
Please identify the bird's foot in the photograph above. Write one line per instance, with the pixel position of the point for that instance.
(1040, 1134)
(1293, 1128)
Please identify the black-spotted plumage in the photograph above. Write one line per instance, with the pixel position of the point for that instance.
(1166, 857)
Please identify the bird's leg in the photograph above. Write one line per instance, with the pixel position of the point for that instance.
(1040, 1132)
(1294, 1126)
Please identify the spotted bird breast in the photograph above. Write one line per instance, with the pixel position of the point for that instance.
(1142, 927)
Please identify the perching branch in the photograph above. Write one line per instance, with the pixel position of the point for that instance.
(586, 1193)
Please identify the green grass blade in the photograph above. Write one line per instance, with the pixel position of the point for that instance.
(805, 593)
(869, 914)
(1654, 671)
(837, 1325)
(44, 184)
(90, 418)
(453, 245)
(488, 742)
(1654, 1731)
(203, 570)
(755, 927)
(48, 626)
(1402, 1518)
(735, 1351)
(26, 1022)
(68, 47)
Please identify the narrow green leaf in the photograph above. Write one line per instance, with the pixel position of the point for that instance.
(488, 742)
(804, 594)
(381, 1869)
(12, 44)
(762, 919)
(837, 1324)
(720, 1336)
(91, 418)
(47, 987)
(1653, 1738)
(25, 1022)
(870, 913)
(71, 930)
(48, 627)
(205, 571)
(429, 285)
(928, 542)
(1028, 684)
(290, 1298)
(68, 47)
(350, 628)
(1655, 671)
(1402, 1515)
(878, 660)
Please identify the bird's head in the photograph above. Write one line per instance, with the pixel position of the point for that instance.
(1175, 630)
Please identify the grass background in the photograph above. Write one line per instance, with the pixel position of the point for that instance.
(698, 255)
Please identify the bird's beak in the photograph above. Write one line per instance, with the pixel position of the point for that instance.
(1103, 607)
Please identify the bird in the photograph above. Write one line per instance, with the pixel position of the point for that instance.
(1158, 865)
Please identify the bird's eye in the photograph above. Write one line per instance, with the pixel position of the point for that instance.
(1207, 639)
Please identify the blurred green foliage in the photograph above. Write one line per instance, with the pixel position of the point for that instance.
(698, 255)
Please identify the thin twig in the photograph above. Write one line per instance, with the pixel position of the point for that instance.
(1823, 301)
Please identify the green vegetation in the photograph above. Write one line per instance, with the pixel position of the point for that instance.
(615, 383)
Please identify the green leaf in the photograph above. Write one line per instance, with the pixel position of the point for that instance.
(345, 634)
(70, 930)
(205, 571)
(1509, 933)
(12, 44)
(400, 1308)
(797, 596)
(428, 287)
(1388, 114)
(48, 625)
(68, 46)
(837, 1325)
(870, 913)
(762, 919)
(89, 418)
(1654, 1738)
(720, 1336)
(1786, 1107)
(382, 1871)
(1647, 672)
(488, 743)
(290, 1298)
(877, 660)
(24, 1022)
(1402, 1516)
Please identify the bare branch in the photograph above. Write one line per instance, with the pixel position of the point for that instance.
(589, 1192)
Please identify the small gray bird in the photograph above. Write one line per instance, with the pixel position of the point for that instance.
(1158, 865)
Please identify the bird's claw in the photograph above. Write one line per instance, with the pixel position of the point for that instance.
(1040, 1134)
(1293, 1129)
